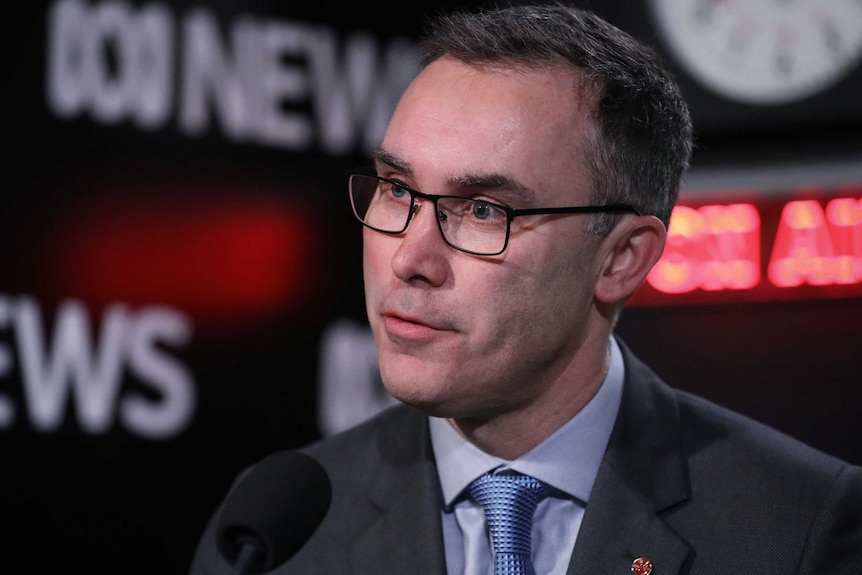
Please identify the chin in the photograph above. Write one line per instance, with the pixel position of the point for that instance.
(420, 382)
(425, 397)
(432, 398)
(412, 393)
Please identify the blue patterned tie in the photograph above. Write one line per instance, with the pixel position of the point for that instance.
(509, 500)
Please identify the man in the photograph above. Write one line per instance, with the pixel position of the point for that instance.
(495, 326)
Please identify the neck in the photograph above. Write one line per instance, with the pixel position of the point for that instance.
(512, 434)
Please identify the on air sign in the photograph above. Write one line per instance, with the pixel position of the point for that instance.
(806, 244)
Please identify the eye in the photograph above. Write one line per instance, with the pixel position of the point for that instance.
(398, 190)
(486, 211)
(481, 211)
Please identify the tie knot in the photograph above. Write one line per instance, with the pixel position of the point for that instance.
(508, 489)
(509, 500)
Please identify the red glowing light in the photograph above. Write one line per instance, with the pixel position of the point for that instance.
(776, 250)
(219, 259)
(845, 212)
(803, 215)
(712, 248)
(804, 252)
(844, 216)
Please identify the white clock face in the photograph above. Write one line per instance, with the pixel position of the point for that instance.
(763, 51)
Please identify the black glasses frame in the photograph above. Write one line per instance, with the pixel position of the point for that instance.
(511, 213)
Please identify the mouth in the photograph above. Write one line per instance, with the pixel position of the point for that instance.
(405, 327)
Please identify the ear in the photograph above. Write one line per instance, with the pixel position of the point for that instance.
(630, 251)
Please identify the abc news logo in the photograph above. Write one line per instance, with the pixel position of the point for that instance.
(275, 83)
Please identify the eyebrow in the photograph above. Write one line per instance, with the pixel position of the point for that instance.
(381, 156)
(502, 185)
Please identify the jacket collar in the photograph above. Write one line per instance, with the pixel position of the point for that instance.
(405, 513)
(642, 474)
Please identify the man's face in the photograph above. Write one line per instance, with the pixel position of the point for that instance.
(460, 335)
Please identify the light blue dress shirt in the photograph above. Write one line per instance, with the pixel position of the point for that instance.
(568, 461)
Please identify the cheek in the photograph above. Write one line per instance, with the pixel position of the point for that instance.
(554, 293)
(376, 260)
(514, 306)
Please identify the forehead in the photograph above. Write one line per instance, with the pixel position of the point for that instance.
(527, 125)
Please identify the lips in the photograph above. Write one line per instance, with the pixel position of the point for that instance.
(409, 327)
(409, 319)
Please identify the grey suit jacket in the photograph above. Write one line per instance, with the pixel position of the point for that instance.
(691, 487)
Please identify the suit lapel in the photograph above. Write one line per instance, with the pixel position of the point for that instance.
(406, 535)
(643, 474)
(620, 527)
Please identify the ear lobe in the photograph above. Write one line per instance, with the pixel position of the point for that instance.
(633, 247)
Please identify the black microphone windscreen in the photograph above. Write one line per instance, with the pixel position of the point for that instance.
(276, 506)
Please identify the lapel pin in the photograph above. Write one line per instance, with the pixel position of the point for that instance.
(641, 566)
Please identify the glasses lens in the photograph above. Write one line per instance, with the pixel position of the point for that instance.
(379, 204)
(473, 225)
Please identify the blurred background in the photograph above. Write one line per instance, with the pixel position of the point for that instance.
(180, 282)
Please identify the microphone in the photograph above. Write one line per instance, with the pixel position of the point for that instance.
(272, 512)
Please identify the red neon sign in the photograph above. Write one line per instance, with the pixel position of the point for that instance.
(804, 252)
(711, 248)
(772, 250)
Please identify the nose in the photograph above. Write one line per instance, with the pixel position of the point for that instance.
(423, 255)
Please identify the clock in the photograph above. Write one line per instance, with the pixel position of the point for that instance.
(762, 52)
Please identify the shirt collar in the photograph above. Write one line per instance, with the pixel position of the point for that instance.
(568, 460)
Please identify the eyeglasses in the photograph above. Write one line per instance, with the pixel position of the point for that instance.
(470, 225)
